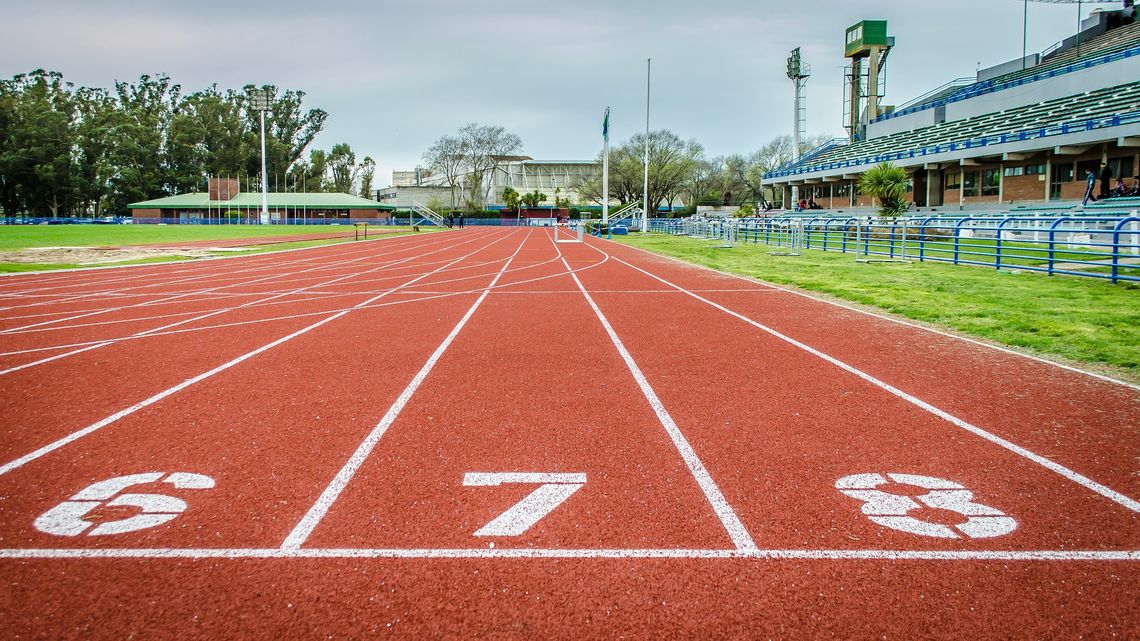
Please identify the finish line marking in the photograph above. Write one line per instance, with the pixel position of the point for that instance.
(540, 553)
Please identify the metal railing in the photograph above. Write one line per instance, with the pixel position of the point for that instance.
(988, 86)
(1106, 247)
(428, 214)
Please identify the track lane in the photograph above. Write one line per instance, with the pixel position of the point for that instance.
(783, 426)
(245, 427)
(40, 409)
(1082, 422)
(560, 401)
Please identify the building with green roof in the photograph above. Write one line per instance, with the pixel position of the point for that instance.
(223, 202)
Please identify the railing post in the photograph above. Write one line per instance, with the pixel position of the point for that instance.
(1053, 243)
(997, 243)
(922, 239)
(958, 237)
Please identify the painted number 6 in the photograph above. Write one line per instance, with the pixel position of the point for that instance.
(893, 510)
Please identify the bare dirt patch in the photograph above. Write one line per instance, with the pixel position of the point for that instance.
(98, 255)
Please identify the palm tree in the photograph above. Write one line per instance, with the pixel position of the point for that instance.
(887, 183)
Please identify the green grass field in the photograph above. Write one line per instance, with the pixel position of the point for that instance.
(23, 236)
(18, 237)
(1081, 320)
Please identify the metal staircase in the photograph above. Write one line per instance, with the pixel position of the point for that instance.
(625, 216)
(426, 213)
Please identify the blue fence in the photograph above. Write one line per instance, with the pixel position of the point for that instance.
(1096, 247)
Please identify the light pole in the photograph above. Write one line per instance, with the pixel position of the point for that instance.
(261, 104)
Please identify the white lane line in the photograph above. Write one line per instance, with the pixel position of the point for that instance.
(899, 321)
(250, 265)
(165, 328)
(94, 427)
(325, 501)
(167, 298)
(1073, 476)
(220, 295)
(498, 288)
(728, 518)
(556, 553)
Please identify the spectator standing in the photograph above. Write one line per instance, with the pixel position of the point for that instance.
(1090, 180)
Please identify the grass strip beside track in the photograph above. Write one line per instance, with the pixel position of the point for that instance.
(253, 249)
(1082, 320)
(24, 236)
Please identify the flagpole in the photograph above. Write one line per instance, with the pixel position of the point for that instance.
(645, 184)
(606, 170)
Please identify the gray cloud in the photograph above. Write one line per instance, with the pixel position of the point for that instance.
(396, 75)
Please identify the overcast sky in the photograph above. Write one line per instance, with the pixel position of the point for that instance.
(394, 76)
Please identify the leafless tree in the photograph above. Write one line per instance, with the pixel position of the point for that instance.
(446, 158)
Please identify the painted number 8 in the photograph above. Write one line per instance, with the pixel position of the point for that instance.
(893, 510)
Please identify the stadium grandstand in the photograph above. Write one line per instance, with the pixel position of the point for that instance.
(1025, 131)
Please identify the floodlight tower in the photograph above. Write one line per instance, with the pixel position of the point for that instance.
(261, 104)
(866, 40)
(798, 72)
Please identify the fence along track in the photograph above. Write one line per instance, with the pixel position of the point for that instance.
(1106, 247)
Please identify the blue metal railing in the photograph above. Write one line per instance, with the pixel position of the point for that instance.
(1106, 247)
(989, 86)
(1033, 133)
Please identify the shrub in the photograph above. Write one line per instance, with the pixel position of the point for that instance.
(887, 183)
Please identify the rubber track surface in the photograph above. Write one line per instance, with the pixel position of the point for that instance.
(340, 397)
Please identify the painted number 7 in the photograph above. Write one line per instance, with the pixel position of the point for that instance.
(553, 489)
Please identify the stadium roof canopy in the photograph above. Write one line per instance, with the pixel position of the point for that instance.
(252, 200)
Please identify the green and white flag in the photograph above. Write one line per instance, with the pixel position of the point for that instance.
(606, 125)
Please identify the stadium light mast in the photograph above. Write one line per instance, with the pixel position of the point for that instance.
(261, 104)
(798, 72)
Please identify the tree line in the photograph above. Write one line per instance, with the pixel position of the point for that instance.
(679, 170)
(71, 150)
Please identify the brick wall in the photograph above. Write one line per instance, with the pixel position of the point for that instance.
(1024, 188)
(146, 213)
(223, 188)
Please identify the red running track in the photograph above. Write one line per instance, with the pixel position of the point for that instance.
(489, 434)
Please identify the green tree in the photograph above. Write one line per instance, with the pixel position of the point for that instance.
(887, 183)
(36, 159)
(289, 129)
(671, 162)
(533, 199)
(342, 168)
(511, 198)
(367, 177)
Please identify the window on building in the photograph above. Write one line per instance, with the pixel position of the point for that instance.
(1062, 173)
(1014, 171)
(991, 182)
(953, 180)
(1087, 166)
(1121, 167)
(970, 186)
(1035, 170)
